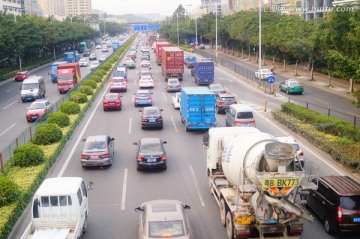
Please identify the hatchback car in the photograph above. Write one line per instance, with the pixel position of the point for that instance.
(130, 64)
(102, 58)
(97, 151)
(151, 117)
(105, 49)
(118, 84)
(299, 161)
(337, 203)
(146, 82)
(217, 88)
(37, 109)
(164, 219)
(291, 87)
(142, 97)
(83, 62)
(173, 85)
(144, 72)
(223, 101)
(92, 57)
(112, 101)
(22, 75)
(150, 153)
(94, 65)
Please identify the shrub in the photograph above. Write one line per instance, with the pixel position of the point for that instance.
(9, 191)
(28, 155)
(47, 134)
(59, 118)
(96, 78)
(106, 66)
(87, 90)
(90, 83)
(78, 97)
(357, 96)
(70, 108)
(100, 72)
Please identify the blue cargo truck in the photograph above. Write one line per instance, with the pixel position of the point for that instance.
(203, 72)
(115, 45)
(197, 108)
(53, 73)
(71, 56)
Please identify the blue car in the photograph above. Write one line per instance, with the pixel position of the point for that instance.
(143, 98)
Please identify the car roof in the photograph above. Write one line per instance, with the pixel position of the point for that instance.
(151, 108)
(225, 95)
(143, 92)
(95, 138)
(241, 107)
(164, 210)
(150, 140)
(112, 94)
(59, 186)
(343, 185)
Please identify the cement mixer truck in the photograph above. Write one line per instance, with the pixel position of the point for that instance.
(253, 179)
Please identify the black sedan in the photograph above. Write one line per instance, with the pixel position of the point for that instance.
(151, 117)
(150, 153)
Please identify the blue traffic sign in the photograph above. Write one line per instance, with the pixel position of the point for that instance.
(147, 27)
(270, 79)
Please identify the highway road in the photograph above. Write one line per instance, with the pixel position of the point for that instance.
(13, 111)
(120, 188)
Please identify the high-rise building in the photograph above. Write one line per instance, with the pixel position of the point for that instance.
(14, 7)
(77, 7)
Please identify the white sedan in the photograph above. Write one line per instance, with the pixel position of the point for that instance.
(83, 62)
(175, 98)
(265, 73)
(146, 82)
(94, 65)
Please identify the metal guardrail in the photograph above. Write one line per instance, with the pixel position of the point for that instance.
(250, 76)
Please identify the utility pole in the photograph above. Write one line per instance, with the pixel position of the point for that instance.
(216, 32)
(177, 28)
(260, 9)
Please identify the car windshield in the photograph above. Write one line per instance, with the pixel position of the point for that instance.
(160, 229)
(83, 60)
(37, 106)
(29, 86)
(111, 97)
(142, 94)
(95, 145)
(350, 203)
(151, 112)
(21, 73)
(173, 81)
(146, 78)
(151, 148)
(245, 115)
(65, 79)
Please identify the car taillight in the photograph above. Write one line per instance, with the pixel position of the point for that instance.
(117, 102)
(84, 156)
(339, 214)
(159, 119)
(301, 154)
(139, 158)
(234, 102)
(163, 157)
(220, 102)
(105, 155)
(137, 98)
(106, 102)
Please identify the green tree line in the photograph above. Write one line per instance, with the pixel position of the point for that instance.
(330, 44)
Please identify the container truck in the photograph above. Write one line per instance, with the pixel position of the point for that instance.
(254, 181)
(172, 62)
(68, 76)
(197, 108)
(203, 72)
(152, 39)
(82, 47)
(71, 56)
(60, 209)
(159, 46)
(115, 45)
(53, 73)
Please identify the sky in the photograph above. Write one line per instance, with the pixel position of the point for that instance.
(164, 7)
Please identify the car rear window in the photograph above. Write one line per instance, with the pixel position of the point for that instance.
(294, 83)
(227, 98)
(150, 148)
(245, 115)
(142, 94)
(111, 97)
(160, 229)
(151, 112)
(350, 203)
(95, 145)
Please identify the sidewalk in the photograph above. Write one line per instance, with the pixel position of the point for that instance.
(321, 80)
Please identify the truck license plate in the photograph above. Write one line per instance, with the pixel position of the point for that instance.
(280, 182)
(356, 219)
(244, 220)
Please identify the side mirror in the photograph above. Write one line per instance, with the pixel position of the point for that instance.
(140, 110)
(90, 185)
(186, 207)
(112, 139)
(164, 142)
(83, 140)
(206, 141)
(139, 209)
(135, 143)
(161, 109)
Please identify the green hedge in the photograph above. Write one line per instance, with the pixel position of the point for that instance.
(47, 134)
(9, 191)
(90, 83)
(70, 108)
(87, 90)
(78, 97)
(59, 118)
(27, 155)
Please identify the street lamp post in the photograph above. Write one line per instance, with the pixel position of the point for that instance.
(216, 32)
(177, 28)
(196, 33)
(260, 9)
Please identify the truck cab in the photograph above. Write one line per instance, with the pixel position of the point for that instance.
(53, 73)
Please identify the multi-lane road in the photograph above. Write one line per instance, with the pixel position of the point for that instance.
(121, 188)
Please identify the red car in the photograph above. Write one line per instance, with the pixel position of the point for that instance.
(112, 101)
(37, 109)
(22, 75)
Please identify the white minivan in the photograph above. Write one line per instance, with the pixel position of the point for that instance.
(33, 88)
(240, 115)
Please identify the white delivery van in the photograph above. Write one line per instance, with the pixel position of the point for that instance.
(240, 115)
(33, 88)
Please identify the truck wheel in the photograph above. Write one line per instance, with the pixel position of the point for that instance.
(229, 226)
(222, 212)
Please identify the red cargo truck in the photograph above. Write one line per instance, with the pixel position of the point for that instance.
(172, 65)
(68, 76)
(152, 39)
(159, 46)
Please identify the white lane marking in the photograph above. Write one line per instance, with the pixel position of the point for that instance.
(196, 185)
(130, 125)
(164, 96)
(230, 80)
(123, 197)
(325, 161)
(10, 104)
(7, 130)
(67, 161)
(172, 119)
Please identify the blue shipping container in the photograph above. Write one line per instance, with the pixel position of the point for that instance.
(71, 56)
(203, 72)
(197, 108)
(53, 73)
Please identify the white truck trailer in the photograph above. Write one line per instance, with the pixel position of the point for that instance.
(252, 177)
